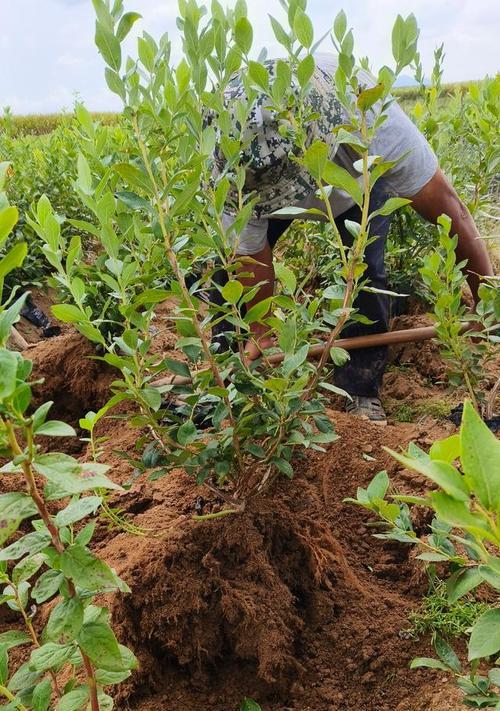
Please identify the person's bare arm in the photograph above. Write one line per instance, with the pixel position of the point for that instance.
(262, 272)
(438, 197)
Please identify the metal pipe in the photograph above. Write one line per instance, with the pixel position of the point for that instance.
(389, 338)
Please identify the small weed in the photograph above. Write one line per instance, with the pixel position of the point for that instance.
(439, 409)
(404, 413)
(399, 368)
(436, 615)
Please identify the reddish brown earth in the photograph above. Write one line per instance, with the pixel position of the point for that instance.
(293, 602)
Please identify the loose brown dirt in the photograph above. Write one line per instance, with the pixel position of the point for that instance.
(293, 602)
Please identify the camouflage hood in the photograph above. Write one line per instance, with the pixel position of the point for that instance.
(270, 170)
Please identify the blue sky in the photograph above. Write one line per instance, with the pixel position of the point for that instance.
(47, 53)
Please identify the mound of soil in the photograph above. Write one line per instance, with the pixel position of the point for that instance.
(70, 375)
(292, 603)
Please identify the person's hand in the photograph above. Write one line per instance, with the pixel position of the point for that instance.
(255, 345)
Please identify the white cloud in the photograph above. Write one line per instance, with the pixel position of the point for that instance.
(49, 50)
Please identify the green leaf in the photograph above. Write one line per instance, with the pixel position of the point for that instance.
(294, 361)
(442, 473)
(390, 206)
(106, 703)
(243, 34)
(490, 576)
(77, 510)
(8, 218)
(315, 159)
(378, 486)
(494, 676)
(151, 296)
(286, 277)
(339, 177)
(84, 175)
(85, 535)
(86, 570)
(462, 582)
(368, 97)
(132, 200)
(10, 316)
(480, 456)
(283, 466)
(27, 567)
(67, 313)
(339, 356)
(303, 28)
(259, 74)
(55, 428)
(183, 75)
(291, 211)
(178, 367)
(71, 477)
(23, 678)
(8, 372)
(334, 389)
(14, 638)
(186, 433)
(433, 557)
(108, 678)
(115, 84)
(258, 311)
(446, 654)
(134, 177)
(446, 450)
(40, 414)
(146, 50)
(485, 637)
(14, 508)
(99, 643)
(65, 621)
(305, 70)
(74, 700)
(13, 259)
(30, 544)
(108, 46)
(153, 397)
(125, 25)
(47, 586)
(4, 665)
(456, 513)
(129, 659)
(249, 705)
(41, 695)
(280, 33)
(50, 656)
(340, 26)
(429, 663)
(232, 291)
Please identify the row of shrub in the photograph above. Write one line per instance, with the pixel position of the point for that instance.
(42, 124)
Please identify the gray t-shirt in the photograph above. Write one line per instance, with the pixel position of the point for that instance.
(396, 139)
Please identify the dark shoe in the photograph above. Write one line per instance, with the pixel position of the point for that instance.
(369, 408)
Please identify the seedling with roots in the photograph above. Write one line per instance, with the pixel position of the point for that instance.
(168, 191)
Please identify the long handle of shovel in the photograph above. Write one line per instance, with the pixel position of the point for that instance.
(389, 338)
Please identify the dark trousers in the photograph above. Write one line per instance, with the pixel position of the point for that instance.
(362, 375)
